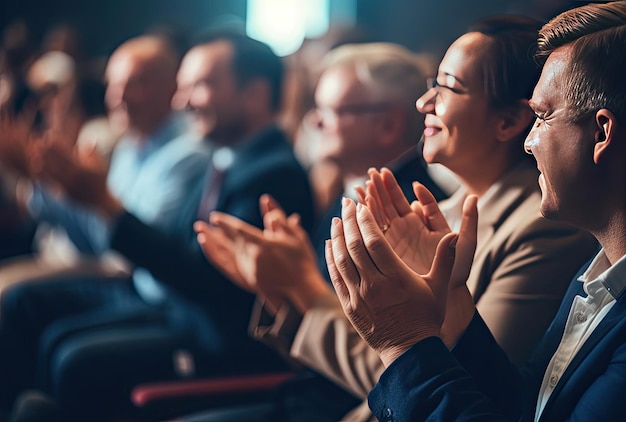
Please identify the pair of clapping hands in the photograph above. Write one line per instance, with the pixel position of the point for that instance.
(397, 269)
(51, 158)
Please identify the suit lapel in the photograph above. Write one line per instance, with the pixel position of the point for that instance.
(270, 139)
(562, 394)
(514, 188)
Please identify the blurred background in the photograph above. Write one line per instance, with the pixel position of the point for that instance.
(102, 25)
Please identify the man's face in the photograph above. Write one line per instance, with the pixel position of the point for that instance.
(207, 89)
(136, 91)
(563, 149)
(348, 119)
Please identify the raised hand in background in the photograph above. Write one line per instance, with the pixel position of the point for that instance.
(277, 263)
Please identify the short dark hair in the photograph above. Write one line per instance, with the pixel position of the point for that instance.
(509, 70)
(595, 73)
(252, 59)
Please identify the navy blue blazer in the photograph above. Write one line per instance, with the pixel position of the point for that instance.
(476, 381)
(409, 168)
(266, 164)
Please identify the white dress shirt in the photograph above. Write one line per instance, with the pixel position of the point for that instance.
(603, 284)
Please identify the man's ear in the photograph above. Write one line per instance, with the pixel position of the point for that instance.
(513, 121)
(605, 133)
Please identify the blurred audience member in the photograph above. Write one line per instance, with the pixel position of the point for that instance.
(365, 110)
(151, 171)
(17, 230)
(303, 69)
(178, 316)
(365, 116)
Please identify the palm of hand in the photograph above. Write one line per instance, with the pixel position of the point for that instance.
(390, 305)
(413, 242)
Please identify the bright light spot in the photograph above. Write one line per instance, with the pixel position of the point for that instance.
(283, 24)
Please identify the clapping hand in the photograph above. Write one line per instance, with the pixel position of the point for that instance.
(277, 263)
(81, 177)
(414, 230)
(391, 306)
(18, 145)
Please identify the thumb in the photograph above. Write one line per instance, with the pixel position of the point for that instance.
(441, 270)
(433, 215)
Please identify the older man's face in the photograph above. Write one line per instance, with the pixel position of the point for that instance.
(137, 90)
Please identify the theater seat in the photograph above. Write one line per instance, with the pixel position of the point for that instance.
(166, 400)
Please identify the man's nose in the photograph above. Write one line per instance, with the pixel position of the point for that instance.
(114, 95)
(180, 100)
(529, 142)
(314, 118)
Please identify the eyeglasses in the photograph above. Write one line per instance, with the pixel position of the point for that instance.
(332, 114)
(431, 83)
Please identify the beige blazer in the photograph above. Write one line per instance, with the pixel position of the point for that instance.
(522, 267)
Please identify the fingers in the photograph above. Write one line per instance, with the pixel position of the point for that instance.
(200, 227)
(380, 256)
(274, 220)
(267, 203)
(277, 224)
(353, 235)
(234, 227)
(398, 199)
(432, 214)
(342, 264)
(384, 198)
(443, 264)
(361, 196)
(469, 221)
(222, 251)
(372, 201)
(212, 240)
(466, 246)
(338, 283)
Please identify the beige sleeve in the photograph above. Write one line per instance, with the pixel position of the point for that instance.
(322, 339)
(327, 342)
(532, 272)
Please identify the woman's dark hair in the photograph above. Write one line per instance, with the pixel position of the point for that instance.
(509, 70)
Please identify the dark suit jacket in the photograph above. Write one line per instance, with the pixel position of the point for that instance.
(477, 380)
(266, 164)
(407, 169)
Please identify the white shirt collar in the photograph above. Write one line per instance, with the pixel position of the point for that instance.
(601, 274)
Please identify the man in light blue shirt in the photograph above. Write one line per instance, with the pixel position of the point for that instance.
(115, 334)
(152, 170)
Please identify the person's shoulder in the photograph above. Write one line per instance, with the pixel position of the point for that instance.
(271, 152)
(185, 148)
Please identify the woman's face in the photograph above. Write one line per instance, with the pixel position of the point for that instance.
(459, 125)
